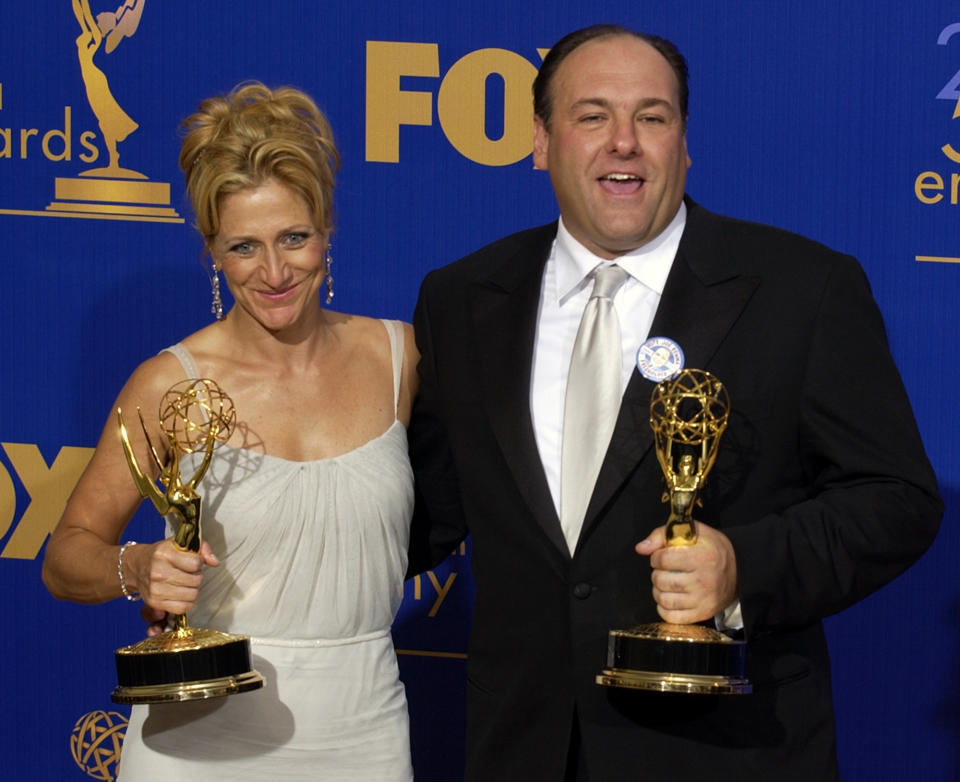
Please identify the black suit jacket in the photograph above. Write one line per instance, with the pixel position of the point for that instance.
(821, 483)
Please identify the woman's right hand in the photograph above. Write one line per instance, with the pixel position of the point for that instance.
(167, 578)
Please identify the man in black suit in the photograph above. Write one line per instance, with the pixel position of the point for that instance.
(821, 492)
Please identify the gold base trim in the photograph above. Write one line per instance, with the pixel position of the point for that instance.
(689, 684)
(114, 173)
(112, 209)
(181, 640)
(112, 191)
(90, 216)
(189, 691)
(664, 631)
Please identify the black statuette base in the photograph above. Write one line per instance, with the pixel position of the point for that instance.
(675, 658)
(182, 665)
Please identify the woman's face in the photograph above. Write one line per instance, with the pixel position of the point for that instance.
(271, 255)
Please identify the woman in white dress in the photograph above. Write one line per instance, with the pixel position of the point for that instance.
(307, 506)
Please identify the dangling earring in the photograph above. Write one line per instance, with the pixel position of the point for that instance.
(217, 307)
(328, 260)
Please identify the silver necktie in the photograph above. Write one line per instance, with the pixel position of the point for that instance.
(593, 400)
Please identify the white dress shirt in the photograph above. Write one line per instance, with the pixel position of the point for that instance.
(564, 293)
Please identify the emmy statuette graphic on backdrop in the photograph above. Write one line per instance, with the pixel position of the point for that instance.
(688, 414)
(111, 191)
(184, 663)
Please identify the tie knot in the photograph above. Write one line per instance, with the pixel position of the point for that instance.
(607, 281)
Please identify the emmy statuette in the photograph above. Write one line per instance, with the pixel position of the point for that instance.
(688, 414)
(184, 663)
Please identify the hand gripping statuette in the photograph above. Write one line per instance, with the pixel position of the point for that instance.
(688, 414)
(184, 663)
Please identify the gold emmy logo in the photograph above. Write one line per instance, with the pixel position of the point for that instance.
(943, 187)
(96, 741)
(110, 191)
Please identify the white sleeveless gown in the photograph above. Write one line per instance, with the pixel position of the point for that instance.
(313, 556)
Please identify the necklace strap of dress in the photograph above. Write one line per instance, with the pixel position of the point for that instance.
(395, 332)
(185, 357)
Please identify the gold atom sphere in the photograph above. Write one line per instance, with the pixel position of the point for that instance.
(193, 412)
(690, 407)
(96, 741)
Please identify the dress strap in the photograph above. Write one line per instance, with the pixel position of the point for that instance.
(186, 359)
(395, 332)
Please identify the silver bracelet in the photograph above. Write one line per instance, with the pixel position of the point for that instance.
(131, 596)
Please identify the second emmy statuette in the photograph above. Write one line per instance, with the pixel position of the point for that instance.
(688, 413)
(185, 663)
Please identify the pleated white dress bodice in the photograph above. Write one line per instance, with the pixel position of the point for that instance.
(313, 556)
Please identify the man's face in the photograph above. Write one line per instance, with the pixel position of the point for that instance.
(616, 148)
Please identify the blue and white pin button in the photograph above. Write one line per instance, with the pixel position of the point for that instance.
(659, 358)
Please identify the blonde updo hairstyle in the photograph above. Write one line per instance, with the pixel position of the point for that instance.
(253, 134)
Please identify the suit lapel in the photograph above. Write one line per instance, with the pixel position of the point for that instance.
(701, 301)
(504, 311)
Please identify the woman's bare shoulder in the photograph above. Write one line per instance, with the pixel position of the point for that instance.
(151, 379)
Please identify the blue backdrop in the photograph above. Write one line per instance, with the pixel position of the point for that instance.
(833, 118)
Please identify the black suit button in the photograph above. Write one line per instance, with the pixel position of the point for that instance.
(582, 590)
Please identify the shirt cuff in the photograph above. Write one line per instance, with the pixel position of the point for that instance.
(731, 618)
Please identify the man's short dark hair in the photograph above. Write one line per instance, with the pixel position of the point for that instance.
(543, 100)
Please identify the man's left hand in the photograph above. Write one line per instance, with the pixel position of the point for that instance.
(691, 583)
